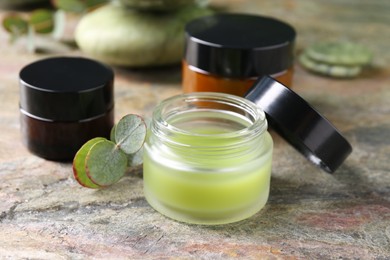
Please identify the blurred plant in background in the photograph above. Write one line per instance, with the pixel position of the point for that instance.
(134, 33)
(49, 19)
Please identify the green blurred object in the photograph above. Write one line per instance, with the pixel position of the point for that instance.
(78, 6)
(336, 59)
(42, 21)
(127, 37)
(332, 70)
(339, 53)
(15, 24)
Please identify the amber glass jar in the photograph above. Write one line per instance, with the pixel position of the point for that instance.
(64, 102)
(229, 52)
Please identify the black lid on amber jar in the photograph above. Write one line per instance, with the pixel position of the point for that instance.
(66, 89)
(300, 124)
(239, 45)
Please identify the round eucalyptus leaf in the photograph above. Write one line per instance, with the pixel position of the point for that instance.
(42, 21)
(92, 4)
(105, 163)
(78, 6)
(130, 133)
(79, 170)
(112, 134)
(135, 159)
(15, 24)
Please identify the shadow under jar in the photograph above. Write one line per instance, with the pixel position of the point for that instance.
(207, 158)
(64, 102)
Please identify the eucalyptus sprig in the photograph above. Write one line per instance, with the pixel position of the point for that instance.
(45, 21)
(40, 21)
(100, 162)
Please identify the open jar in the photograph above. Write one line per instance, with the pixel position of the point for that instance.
(207, 158)
(229, 52)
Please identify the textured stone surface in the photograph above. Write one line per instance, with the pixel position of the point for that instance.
(44, 214)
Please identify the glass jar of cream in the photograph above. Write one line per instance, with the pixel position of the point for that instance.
(207, 158)
(229, 52)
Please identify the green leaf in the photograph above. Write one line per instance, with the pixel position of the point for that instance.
(91, 4)
(79, 170)
(15, 24)
(78, 6)
(112, 134)
(75, 6)
(135, 159)
(42, 21)
(130, 133)
(105, 163)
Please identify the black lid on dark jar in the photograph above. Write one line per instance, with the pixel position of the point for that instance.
(239, 45)
(66, 89)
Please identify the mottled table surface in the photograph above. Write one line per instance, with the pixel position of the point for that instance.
(45, 214)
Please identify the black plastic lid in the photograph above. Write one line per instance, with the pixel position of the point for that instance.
(239, 45)
(297, 122)
(66, 89)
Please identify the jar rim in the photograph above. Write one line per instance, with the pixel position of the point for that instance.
(257, 126)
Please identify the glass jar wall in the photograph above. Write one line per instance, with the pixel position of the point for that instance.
(207, 158)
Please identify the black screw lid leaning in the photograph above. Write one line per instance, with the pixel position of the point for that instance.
(299, 124)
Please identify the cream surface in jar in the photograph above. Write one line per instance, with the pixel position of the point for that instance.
(207, 158)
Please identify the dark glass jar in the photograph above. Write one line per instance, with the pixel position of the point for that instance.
(64, 102)
(229, 52)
